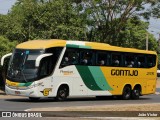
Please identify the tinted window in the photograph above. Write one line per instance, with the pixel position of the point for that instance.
(101, 58)
(129, 60)
(22, 65)
(47, 64)
(87, 57)
(141, 61)
(74, 56)
(116, 59)
(71, 57)
(151, 61)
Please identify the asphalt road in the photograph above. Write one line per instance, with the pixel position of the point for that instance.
(21, 104)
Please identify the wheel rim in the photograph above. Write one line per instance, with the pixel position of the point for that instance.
(62, 94)
(136, 92)
(127, 93)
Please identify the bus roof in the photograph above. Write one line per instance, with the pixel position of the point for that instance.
(43, 44)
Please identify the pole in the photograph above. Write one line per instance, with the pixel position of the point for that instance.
(159, 41)
(147, 41)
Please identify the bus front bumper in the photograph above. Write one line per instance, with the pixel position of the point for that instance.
(31, 92)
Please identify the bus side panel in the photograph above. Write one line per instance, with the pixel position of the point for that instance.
(82, 82)
(118, 77)
(70, 76)
(94, 80)
(150, 77)
(44, 87)
(151, 86)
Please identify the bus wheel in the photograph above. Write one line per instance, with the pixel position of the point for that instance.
(135, 93)
(126, 93)
(34, 98)
(62, 93)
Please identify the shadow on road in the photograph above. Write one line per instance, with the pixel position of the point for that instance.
(43, 100)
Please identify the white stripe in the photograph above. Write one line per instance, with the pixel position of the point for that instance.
(76, 42)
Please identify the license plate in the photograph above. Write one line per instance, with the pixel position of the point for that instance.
(17, 92)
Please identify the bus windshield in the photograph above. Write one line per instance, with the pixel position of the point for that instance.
(22, 65)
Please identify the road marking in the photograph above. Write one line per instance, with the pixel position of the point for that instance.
(118, 118)
(27, 110)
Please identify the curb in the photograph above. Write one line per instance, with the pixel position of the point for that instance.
(2, 92)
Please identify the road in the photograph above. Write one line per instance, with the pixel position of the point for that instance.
(21, 104)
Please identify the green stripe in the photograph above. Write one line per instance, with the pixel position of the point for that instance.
(78, 46)
(87, 77)
(99, 78)
(25, 84)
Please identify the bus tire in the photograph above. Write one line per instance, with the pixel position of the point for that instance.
(34, 98)
(62, 93)
(126, 93)
(135, 93)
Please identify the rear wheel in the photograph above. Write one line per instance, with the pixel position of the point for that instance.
(135, 93)
(62, 93)
(126, 93)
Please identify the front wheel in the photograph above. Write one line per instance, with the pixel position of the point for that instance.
(62, 93)
(126, 93)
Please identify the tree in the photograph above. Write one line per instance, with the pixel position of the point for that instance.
(39, 19)
(153, 10)
(107, 18)
(18, 23)
(134, 35)
(109, 21)
(6, 46)
(3, 24)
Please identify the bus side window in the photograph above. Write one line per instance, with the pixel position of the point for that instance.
(151, 61)
(129, 61)
(45, 67)
(71, 57)
(101, 58)
(87, 57)
(141, 63)
(65, 61)
(48, 64)
(116, 60)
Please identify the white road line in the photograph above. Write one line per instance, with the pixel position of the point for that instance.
(120, 118)
(27, 110)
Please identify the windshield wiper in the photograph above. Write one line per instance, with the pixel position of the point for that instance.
(24, 76)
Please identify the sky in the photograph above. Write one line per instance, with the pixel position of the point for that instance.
(6, 5)
(154, 27)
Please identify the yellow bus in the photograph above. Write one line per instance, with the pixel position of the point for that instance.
(61, 69)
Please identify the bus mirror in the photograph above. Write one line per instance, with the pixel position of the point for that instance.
(4, 57)
(39, 58)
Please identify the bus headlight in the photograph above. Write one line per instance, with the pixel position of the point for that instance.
(36, 85)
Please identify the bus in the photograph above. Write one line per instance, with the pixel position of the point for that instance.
(62, 68)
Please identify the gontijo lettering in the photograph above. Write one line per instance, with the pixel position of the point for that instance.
(117, 72)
